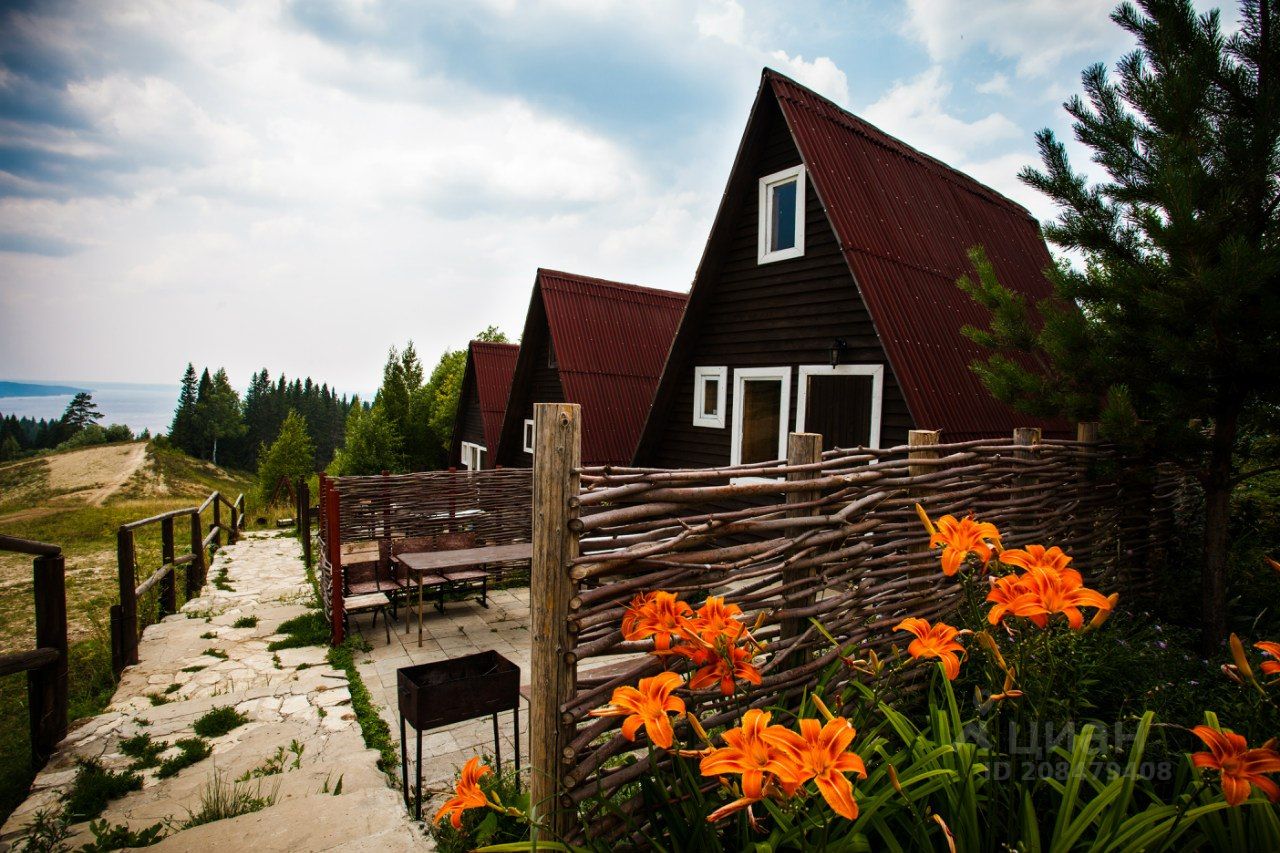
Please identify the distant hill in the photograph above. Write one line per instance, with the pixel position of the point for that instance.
(30, 389)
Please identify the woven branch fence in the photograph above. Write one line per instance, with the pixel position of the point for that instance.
(831, 536)
(360, 515)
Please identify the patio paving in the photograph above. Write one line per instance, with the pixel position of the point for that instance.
(465, 628)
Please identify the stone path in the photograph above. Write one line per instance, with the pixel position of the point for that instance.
(294, 701)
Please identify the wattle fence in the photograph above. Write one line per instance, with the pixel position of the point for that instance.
(829, 536)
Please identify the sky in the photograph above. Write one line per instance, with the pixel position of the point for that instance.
(300, 185)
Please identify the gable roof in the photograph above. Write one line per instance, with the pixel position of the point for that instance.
(610, 342)
(492, 366)
(905, 222)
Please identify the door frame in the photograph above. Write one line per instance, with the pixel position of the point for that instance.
(875, 371)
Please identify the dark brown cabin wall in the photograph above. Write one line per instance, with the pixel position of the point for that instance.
(784, 313)
(472, 419)
(544, 387)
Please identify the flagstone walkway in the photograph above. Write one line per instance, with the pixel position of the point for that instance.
(331, 798)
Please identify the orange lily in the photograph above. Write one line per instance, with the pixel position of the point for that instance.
(963, 537)
(468, 796)
(660, 615)
(647, 705)
(824, 758)
(1267, 647)
(724, 664)
(1046, 592)
(757, 751)
(1004, 591)
(717, 619)
(1036, 556)
(934, 641)
(1238, 766)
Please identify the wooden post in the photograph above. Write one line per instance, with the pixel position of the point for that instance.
(334, 549)
(47, 685)
(803, 448)
(1027, 436)
(128, 597)
(920, 440)
(386, 511)
(237, 519)
(1087, 432)
(557, 453)
(217, 521)
(169, 583)
(304, 518)
(197, 569)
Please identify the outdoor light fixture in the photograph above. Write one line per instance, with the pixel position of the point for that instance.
(837, 351)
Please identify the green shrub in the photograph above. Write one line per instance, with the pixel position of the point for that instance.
(245, 622)
(192, 749)
(309, 629)
(94, 787)
(219, 721)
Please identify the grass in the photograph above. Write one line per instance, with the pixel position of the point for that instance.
(144, 751)
(374, 729)
(215, 653)
(245, 622)
(190, 750)
(219, 721)
(223, 798)
(94, 787)
(309, 629)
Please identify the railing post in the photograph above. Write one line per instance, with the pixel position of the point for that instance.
(169, 583)
(234, 536)
(304, 518)
(334, 550)
(197, 570)
(556, 459)
(803, 448)
(47, 686)
(920, 440)
(1087, 432)
(128, 597)
(217, 521)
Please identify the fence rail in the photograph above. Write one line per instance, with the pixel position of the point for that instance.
(127, 619)
(46, 663)
(831, 536)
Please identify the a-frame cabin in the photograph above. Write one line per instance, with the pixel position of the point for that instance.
(482, 399)
(600, 344)
(826, 298)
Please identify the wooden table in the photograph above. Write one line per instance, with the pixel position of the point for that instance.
(421, 563)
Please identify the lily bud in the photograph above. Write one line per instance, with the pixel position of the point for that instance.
(925, 520)
(893, 779)
(1272, 563)
(696, 725)
(822, 708)
(1242, 662)
(988, 642)
(1103, 614)
(1230, 671)
(951, 839)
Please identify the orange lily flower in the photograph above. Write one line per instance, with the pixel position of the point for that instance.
(1036, 556)
(717, 619)
(647, 705)
(824, 758)
(660, 615)
(934, 641)
(1045, 593)
(468, 796)
(722, 663)
(1267, 647)
(1004, 591)
(963, 537)
(757, 751)
(1238, 766)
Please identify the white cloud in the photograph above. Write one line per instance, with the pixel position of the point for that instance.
(996, 84)
(822, 75)
(721, 19)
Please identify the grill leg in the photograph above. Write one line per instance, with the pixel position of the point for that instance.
(404, 764)
(515, 716)
(417, 772)
(497, 744)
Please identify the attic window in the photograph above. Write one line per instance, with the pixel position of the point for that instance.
(708, 396)
(528, 435)
(782, 215)
(472, 456)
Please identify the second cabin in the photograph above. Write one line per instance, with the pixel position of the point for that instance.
(482, 398)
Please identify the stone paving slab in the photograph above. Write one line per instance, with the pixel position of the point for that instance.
(198, 660)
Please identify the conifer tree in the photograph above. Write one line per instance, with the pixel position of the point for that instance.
(182, 430)
(291, 456)
(80, 413)
(1170, 331)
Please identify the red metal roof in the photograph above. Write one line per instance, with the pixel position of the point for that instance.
(905, 222)
(493, 366)
(610, 341)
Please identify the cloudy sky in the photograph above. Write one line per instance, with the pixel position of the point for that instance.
(298, 185)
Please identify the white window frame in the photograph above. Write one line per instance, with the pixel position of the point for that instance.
(700, 375)
(472, 453)
(764, 256)
(875, 371)
(740, 376)
(528, 435)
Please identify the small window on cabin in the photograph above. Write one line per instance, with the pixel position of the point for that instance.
(528, 435)
(472, 456)
(709, 396)
(782, 215)
(761, 403)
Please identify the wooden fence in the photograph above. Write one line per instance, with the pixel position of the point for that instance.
(46, 664)
(375, 510)
(831, 536)
(160, 587)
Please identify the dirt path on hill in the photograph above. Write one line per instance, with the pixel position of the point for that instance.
(95, 473)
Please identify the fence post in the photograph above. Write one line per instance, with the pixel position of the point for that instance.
(196, 569)
(304, 518)
(168, 598)
(237, 511)
(47, 686)
(128, 597)
(217, 520)
(803, 448)
(1087, 432)
(334, 548)
(919, 440)
(556, 459)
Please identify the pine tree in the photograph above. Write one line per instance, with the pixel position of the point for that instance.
(182, 432)
(291, 456)
(80, 413)
(372, 445)
(1169, 330)
(217, 411)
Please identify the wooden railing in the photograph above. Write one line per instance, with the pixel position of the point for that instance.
(306, 515)
(46, 664)
(127, 622)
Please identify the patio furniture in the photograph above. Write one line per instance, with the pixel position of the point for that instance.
(462, 579)
(428, 567)
(373, 602)
(383, 579)
(437, 694)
